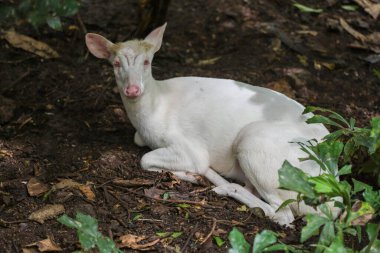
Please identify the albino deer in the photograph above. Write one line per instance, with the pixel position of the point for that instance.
(212, 127)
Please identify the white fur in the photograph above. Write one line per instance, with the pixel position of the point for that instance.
(214, 127)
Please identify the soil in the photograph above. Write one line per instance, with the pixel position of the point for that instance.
(63, 119)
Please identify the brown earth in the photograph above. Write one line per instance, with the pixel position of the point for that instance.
(62, 119)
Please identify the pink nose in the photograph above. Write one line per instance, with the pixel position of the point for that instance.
(132, 91)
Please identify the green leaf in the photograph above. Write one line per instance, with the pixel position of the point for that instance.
(238, 242)
(371, 230)
(294, 179)
(349, 149)
(337, 246)
(332, 115)
(323, 120)
(263, 240)
(360, 186)
(36, 18)
(176, 234)
(350, 7)
(326, 211)
(54, 22)
(374, 135)
(219, 241)
(137, 217)
(304, 8)
(329, 153)
(351, 231)
(163, 234)
(106, 245)
(183, 205)
(166, 195)
(327, 234)
(87, 241)
(314, 222)
(69, 222)
(336, 135)
(345, 170)
(361, 213)
(285, 203)
(372, 197)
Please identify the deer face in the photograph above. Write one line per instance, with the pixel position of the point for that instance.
(131, 59)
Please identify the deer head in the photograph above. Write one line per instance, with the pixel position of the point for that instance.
(131, 59)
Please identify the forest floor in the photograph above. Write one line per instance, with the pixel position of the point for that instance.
(63, 119)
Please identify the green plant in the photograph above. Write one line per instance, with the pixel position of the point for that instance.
(38, 12)
(88, 234)
(359, 202)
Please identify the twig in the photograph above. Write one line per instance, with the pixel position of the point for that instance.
(189, 238)
(175, 201)
(81, 24)
(211, 231)
(122, 202)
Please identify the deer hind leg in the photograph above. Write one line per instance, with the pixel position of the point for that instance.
(260, 149)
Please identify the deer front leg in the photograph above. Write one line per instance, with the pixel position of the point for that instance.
(183, 162)
(138, 140)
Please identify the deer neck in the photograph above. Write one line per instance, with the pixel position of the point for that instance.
(143, 107)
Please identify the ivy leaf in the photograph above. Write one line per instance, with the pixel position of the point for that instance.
(54, 22)
(263, 240)
(314, 222)
(238, 242)
(294, 179)
(69, 222)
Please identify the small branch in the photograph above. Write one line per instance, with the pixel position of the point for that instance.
(189, 238)
(211, 231)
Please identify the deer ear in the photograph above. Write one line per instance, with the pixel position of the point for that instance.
(155, 37)
(98, 45)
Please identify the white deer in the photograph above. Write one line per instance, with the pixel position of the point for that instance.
(211, 127)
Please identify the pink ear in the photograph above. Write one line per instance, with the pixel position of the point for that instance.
(98, 45)
(155, 37)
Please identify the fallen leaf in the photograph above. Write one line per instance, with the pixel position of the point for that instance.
(371, 8)
(132, 241)
(242, 208)
(30, 45)
(47, 212)
(69, 183)
(36, 187)
(29, 250)
(154, 192)
(135, 182)
(87, 191)
(370, 42)
(46, 245)
(282, 86)
(209, 61)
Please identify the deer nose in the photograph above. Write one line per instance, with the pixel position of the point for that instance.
(132, 91)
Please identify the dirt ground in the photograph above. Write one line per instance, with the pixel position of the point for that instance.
(63, 119)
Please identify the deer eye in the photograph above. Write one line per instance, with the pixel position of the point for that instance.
(116, 64)
(146, 62)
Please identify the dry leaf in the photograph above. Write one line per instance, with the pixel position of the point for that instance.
(87, 191)
(283, 87)
(29, 44)
(154, 192)
(36, 187)
(65, 183)
(370, 42)
(69, 183)
(131, 241)
(29, 250)
(47, 212)
(135, 182)
(371, 8)
(46, 245)
(209, 61)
